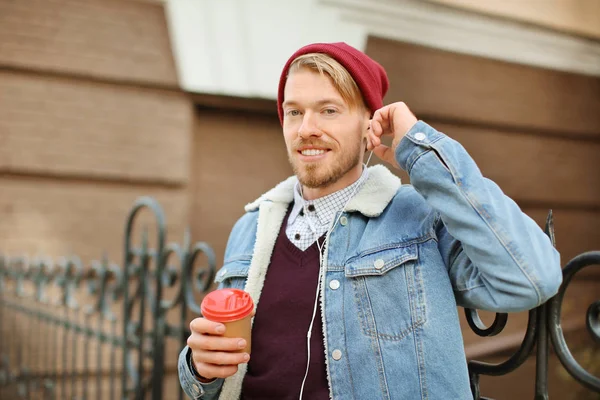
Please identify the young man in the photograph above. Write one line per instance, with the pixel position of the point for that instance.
(391, 262)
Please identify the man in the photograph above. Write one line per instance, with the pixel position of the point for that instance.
(356, 278)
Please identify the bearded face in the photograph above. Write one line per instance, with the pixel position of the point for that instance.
(324, 136)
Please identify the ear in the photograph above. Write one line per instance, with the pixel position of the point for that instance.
(365, 133)
(366, 125)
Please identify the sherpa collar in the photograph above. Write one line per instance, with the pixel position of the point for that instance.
(372, 198)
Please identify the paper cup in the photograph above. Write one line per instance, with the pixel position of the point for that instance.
(233, 308)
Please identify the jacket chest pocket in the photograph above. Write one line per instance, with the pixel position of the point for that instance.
(233, 274)
(388, 292)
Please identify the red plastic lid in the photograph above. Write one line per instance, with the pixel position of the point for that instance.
(226, 305)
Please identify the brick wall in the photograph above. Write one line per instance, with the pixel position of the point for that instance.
(90, 119)
(237, 157)
(112, 39)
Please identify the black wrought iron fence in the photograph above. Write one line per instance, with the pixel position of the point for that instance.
(74, 332)
(70, 331)
(543, 329)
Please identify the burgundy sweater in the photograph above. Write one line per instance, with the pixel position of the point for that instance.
(278, 359)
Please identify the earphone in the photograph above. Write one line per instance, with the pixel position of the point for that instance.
(321, 247)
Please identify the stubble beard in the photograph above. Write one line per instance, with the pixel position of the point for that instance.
(319, 175)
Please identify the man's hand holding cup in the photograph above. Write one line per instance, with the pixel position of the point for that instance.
(221, 340)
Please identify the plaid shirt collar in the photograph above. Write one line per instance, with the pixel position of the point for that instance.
(325, 207)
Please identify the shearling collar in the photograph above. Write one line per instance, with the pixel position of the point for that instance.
(372, 198)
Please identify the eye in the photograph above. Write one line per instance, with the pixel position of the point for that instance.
(292, 113)
(330, 111)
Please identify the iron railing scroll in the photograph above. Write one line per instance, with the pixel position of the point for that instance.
(543, 329)
(99, 331)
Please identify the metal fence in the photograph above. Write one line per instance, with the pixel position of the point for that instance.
(543, 328)
(70, 332)
(101, 332)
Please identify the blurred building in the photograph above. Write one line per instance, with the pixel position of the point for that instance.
(103, 101)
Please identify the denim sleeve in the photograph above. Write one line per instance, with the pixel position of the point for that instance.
(191, 386)
(498, 258)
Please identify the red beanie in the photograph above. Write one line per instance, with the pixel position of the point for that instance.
(367, 73)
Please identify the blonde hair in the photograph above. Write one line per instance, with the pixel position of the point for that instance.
(340, 77)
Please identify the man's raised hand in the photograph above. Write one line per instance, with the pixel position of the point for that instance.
(393, 120)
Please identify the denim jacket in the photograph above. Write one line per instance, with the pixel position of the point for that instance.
(396, 265)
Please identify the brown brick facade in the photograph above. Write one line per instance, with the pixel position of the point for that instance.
(112, 39)
(90, 120)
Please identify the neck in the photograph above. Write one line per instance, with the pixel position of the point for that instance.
(315, 193)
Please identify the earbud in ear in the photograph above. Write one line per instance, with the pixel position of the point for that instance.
(366, 133)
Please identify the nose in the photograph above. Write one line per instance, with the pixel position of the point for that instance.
(309, 127)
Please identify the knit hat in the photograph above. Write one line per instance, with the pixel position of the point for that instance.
(369, 75)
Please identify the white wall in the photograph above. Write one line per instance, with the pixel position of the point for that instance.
(238, 47)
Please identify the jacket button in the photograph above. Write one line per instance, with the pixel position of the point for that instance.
(344, 220)
(379, 263)
(334, 284)
(196, 389)
(420, 136)
(336, 354)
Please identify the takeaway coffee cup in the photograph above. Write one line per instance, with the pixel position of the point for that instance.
(233, 308)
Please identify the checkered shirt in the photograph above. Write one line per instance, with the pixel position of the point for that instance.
(310, 219)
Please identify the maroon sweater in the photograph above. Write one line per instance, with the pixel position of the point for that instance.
(278, 360)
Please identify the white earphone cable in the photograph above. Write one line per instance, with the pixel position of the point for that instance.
(312, 320)
(321, 247)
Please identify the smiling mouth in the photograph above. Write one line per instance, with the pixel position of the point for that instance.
(312, 152)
